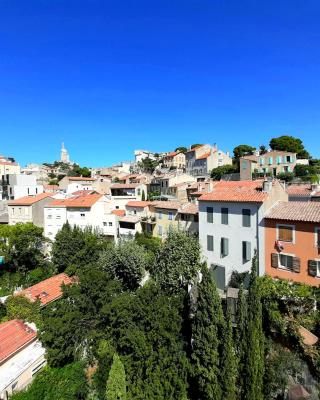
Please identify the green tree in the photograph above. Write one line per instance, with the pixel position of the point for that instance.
(143, 196)
(207, 326)
(254, 369)
(228, 368)
(217, 173)
(285, 176)
(177, 261)
(181, 149)
(79, 171)
(67, 383)
(19, 307)
(241, 341)
(147, 165)
(243, 150)
(22, 246)
(74, 248)
(127, 262)
(262, 149)
(195, 145)
(291, 144)
(116, 384)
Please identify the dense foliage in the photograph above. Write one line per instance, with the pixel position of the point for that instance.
(217, 173)
(291, 144)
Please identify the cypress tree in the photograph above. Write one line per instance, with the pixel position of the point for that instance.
(143, 196)
(241, 340)
(206, 329)
(255, 341)
(116, 384)
(228, 363)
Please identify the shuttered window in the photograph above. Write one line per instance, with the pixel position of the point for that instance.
(314, 268)
(317, 237)
(224, 247)
(224, 216)
(210, 215)
(285, 233)
(246, 217)
(209, 243)
(246, 252)
(286, 261)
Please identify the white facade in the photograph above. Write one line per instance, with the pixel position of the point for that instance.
(21, 185)
(75, 186)
(141, 154)
(98, 216)
(19, 370)
(235, 233)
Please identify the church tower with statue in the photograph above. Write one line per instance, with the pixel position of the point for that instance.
(64, 155)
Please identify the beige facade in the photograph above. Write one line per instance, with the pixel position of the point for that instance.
(271, 163)
(174, 160)
(29, 209)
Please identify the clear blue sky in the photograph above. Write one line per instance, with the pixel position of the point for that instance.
(107, 77)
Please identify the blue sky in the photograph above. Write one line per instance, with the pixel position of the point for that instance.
(107, 77)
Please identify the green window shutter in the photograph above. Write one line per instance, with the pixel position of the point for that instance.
(312, 267)
(296, 264)
(224, 247)
(274, 260)
(270, 160)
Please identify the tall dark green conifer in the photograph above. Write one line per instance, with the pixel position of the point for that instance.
(228, 367)
(254, 369)
(206, 330)
(241, 341)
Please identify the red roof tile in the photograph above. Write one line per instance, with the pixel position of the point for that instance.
(189, 208)
(14, 335)
(139, 204)
(236, 191)
(303, 211)
(119, 213)
(80, 178)
(204, 156)
(168, 205)
(47, 290)
(87, 201)
(29, 200)
(299, 190)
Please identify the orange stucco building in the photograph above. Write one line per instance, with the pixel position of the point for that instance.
(292, 248)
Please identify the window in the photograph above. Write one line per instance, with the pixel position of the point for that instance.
(209, 243)
(246, 218)
(139, 192)
(49, 216)
(224, 247)
(58, 217)
(286, 261)
(82, 215)
(317, 238)
(285, 233)
(314, 268)
(246, 252)
(28, 191)
(134, 212)
(36, 190)
(184, 217)
(224, 215)
(12, 209)
(196, 218)
(159, 215)
(110, 223)
(170, 216)
(117, 207)
(104, 224)
(159, 230)
(210, 215)
(270, 160)
(244, 164)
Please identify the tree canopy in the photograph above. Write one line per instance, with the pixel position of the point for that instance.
(243, 150)
(181, 149)
(217, 173)
(116, 384)
(291, 144)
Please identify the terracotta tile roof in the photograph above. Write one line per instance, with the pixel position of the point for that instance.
(189, 208)
(139, 204)
(236, 191)
(203, 156)
(87, 200)
(129, 218)
(194, 148)
(169, 205)
(303, 211)
(119, 213)
(83, 192)
(29, 200)
(8, 163)
(14, 335)
(124, 185)
(172, 154)
(51, 187)
(47, 290)
(299, 190)
(81, 178)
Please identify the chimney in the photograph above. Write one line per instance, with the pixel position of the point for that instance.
(267, 185)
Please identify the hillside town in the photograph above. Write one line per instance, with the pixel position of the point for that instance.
(251, 212)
